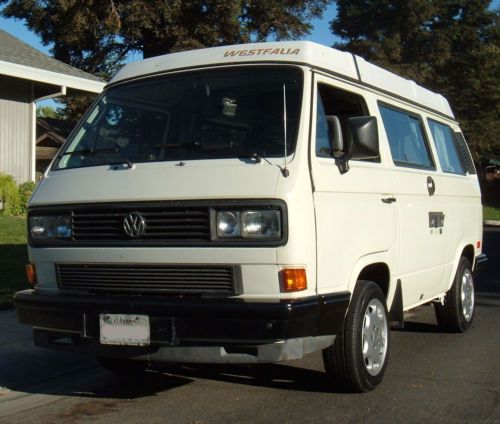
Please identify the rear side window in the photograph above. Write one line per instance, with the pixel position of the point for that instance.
(446, 146)
(464, 153)
(406, 138)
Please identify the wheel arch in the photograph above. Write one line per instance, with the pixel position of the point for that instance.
(464, 250)
(379, 273)
(376, 267)
(469, 253)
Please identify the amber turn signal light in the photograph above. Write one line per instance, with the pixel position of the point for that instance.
(294, 279)
(31, 274)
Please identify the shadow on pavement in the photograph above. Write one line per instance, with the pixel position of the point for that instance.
(13, 258)
(160, 378)
(420, 327)
(488, 279)
(280, 376)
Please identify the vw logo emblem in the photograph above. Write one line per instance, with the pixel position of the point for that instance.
(134, 225)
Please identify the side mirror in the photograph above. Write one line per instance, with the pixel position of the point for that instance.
(364, 145)
(364, 131)
(335, 134)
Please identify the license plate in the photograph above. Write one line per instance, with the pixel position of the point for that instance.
(124, 329)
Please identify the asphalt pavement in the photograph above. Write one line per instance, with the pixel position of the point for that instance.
(432, 377)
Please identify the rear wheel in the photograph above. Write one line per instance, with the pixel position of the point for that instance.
(122, 365)
(457, 312)
(358, 358)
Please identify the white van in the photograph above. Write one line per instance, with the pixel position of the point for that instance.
(250, 204)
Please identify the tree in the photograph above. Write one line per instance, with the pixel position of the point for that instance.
(46, 112)
(450, 46)
(97, 35)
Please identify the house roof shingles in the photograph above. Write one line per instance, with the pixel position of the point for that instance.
(16, 51)
(59, 129)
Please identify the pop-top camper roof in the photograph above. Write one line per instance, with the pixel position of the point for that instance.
(302, 52)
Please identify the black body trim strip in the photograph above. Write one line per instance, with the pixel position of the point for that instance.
(196, 319)
(357, 66)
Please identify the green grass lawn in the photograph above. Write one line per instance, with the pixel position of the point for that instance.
(491, 213)
(13, 257)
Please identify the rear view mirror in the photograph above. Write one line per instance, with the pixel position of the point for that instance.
(364, 144)
(364, 131)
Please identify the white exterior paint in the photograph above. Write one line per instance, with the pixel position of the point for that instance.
(384, 80)
(33, 143)
(339, 225)
(305, 52)
(337, 229)
(49, 77)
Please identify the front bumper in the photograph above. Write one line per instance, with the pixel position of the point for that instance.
(189, 329)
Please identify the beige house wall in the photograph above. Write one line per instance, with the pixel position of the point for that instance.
(16, 114)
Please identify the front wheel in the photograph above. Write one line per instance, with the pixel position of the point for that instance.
(358, 358)
(457, 311)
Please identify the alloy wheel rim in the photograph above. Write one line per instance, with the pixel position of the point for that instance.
(374, 337)
(467, 295)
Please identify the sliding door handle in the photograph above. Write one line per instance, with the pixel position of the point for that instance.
(431, 186)
(389, 200)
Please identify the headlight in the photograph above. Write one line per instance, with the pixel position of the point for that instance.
(249, 224)
(261, 224)
(50, 226)
(228, 224)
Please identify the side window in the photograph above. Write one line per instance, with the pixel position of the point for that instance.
(464, 153)
(406, 138)
(343, 104)
(446, 147)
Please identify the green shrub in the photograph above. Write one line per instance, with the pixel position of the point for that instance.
(25, 191)
(9, 195)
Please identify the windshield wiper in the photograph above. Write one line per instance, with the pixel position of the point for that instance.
(248, 155)
(240, 154)
(92, 152)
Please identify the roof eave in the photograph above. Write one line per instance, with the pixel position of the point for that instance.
(48, 77)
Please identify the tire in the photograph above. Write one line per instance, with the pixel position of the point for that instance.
(123, 366)
(457, 312)
(358, 358)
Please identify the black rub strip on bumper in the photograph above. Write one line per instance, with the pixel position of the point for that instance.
(195, 320)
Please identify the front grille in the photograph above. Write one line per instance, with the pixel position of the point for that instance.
(162, 223)
(149, 278)
(183, 223)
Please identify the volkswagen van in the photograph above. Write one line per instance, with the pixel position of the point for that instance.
(251, 204)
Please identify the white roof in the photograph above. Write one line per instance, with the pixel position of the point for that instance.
(302, 52)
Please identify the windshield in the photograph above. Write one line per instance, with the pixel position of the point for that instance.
(229, 113)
